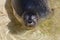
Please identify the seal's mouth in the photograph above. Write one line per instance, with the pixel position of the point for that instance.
(30, 24)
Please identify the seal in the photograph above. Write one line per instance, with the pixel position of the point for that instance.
(30, 10)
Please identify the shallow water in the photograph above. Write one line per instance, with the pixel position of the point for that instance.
(47, 30)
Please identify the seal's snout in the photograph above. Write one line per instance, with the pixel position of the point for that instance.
(30, 18)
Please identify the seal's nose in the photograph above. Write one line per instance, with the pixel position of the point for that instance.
(30, 21)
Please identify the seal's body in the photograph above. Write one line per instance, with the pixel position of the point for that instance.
(30, 10)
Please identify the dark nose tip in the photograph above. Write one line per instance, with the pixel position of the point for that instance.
(29, 21)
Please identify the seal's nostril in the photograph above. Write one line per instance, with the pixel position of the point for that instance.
(29, 21)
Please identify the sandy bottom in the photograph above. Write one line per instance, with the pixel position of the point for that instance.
(47, 30)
